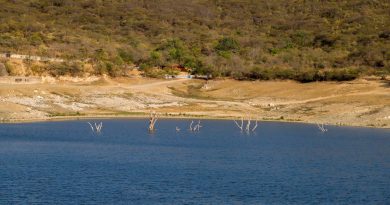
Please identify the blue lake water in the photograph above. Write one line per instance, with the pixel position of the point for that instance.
(281, 163)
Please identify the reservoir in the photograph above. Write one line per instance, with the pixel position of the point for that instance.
(278, 163)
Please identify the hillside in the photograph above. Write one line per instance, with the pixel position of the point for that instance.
(245, 39)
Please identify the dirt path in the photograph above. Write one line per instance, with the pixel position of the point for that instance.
(157, 84)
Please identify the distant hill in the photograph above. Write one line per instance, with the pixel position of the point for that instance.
(246, 39)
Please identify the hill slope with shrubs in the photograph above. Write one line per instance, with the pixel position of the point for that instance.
(244, 39)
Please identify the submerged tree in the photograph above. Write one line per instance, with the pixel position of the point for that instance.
(96, 128)
(247, 127)
(196, 127)
(152, 121)
(322, 128)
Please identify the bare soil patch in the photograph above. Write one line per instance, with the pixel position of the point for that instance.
(363, 102)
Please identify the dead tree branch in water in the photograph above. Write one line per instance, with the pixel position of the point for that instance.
(254, 128)
(197, 126)
(96, 128)
(191, 129)
(242, 123)
(247, 126)
(322, 128)
(92, 128)
(152, 121)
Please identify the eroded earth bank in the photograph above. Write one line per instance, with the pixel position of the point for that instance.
(363, 102)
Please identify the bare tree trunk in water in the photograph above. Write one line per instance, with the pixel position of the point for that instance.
(152, 121)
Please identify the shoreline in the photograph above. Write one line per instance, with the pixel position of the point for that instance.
(359, 103)
(132, 117)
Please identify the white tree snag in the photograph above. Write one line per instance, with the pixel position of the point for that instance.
(254, 128)
(99, 127)
(93, 130)
(191, 129)
(197, 126)
(247, 127)
(96, 128)
(242, 123)
(152, 121)
(322, 128)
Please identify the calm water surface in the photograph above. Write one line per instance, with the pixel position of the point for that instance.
(282, 163)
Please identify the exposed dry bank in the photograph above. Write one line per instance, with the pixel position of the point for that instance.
(363, 102)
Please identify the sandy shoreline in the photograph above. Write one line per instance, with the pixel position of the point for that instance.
(146, 118)
(359, 103)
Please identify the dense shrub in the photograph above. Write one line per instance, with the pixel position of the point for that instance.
(271, 73)
(342, 74)
(227, 44)
(159, 73)
(60, 69)
(305, 41)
